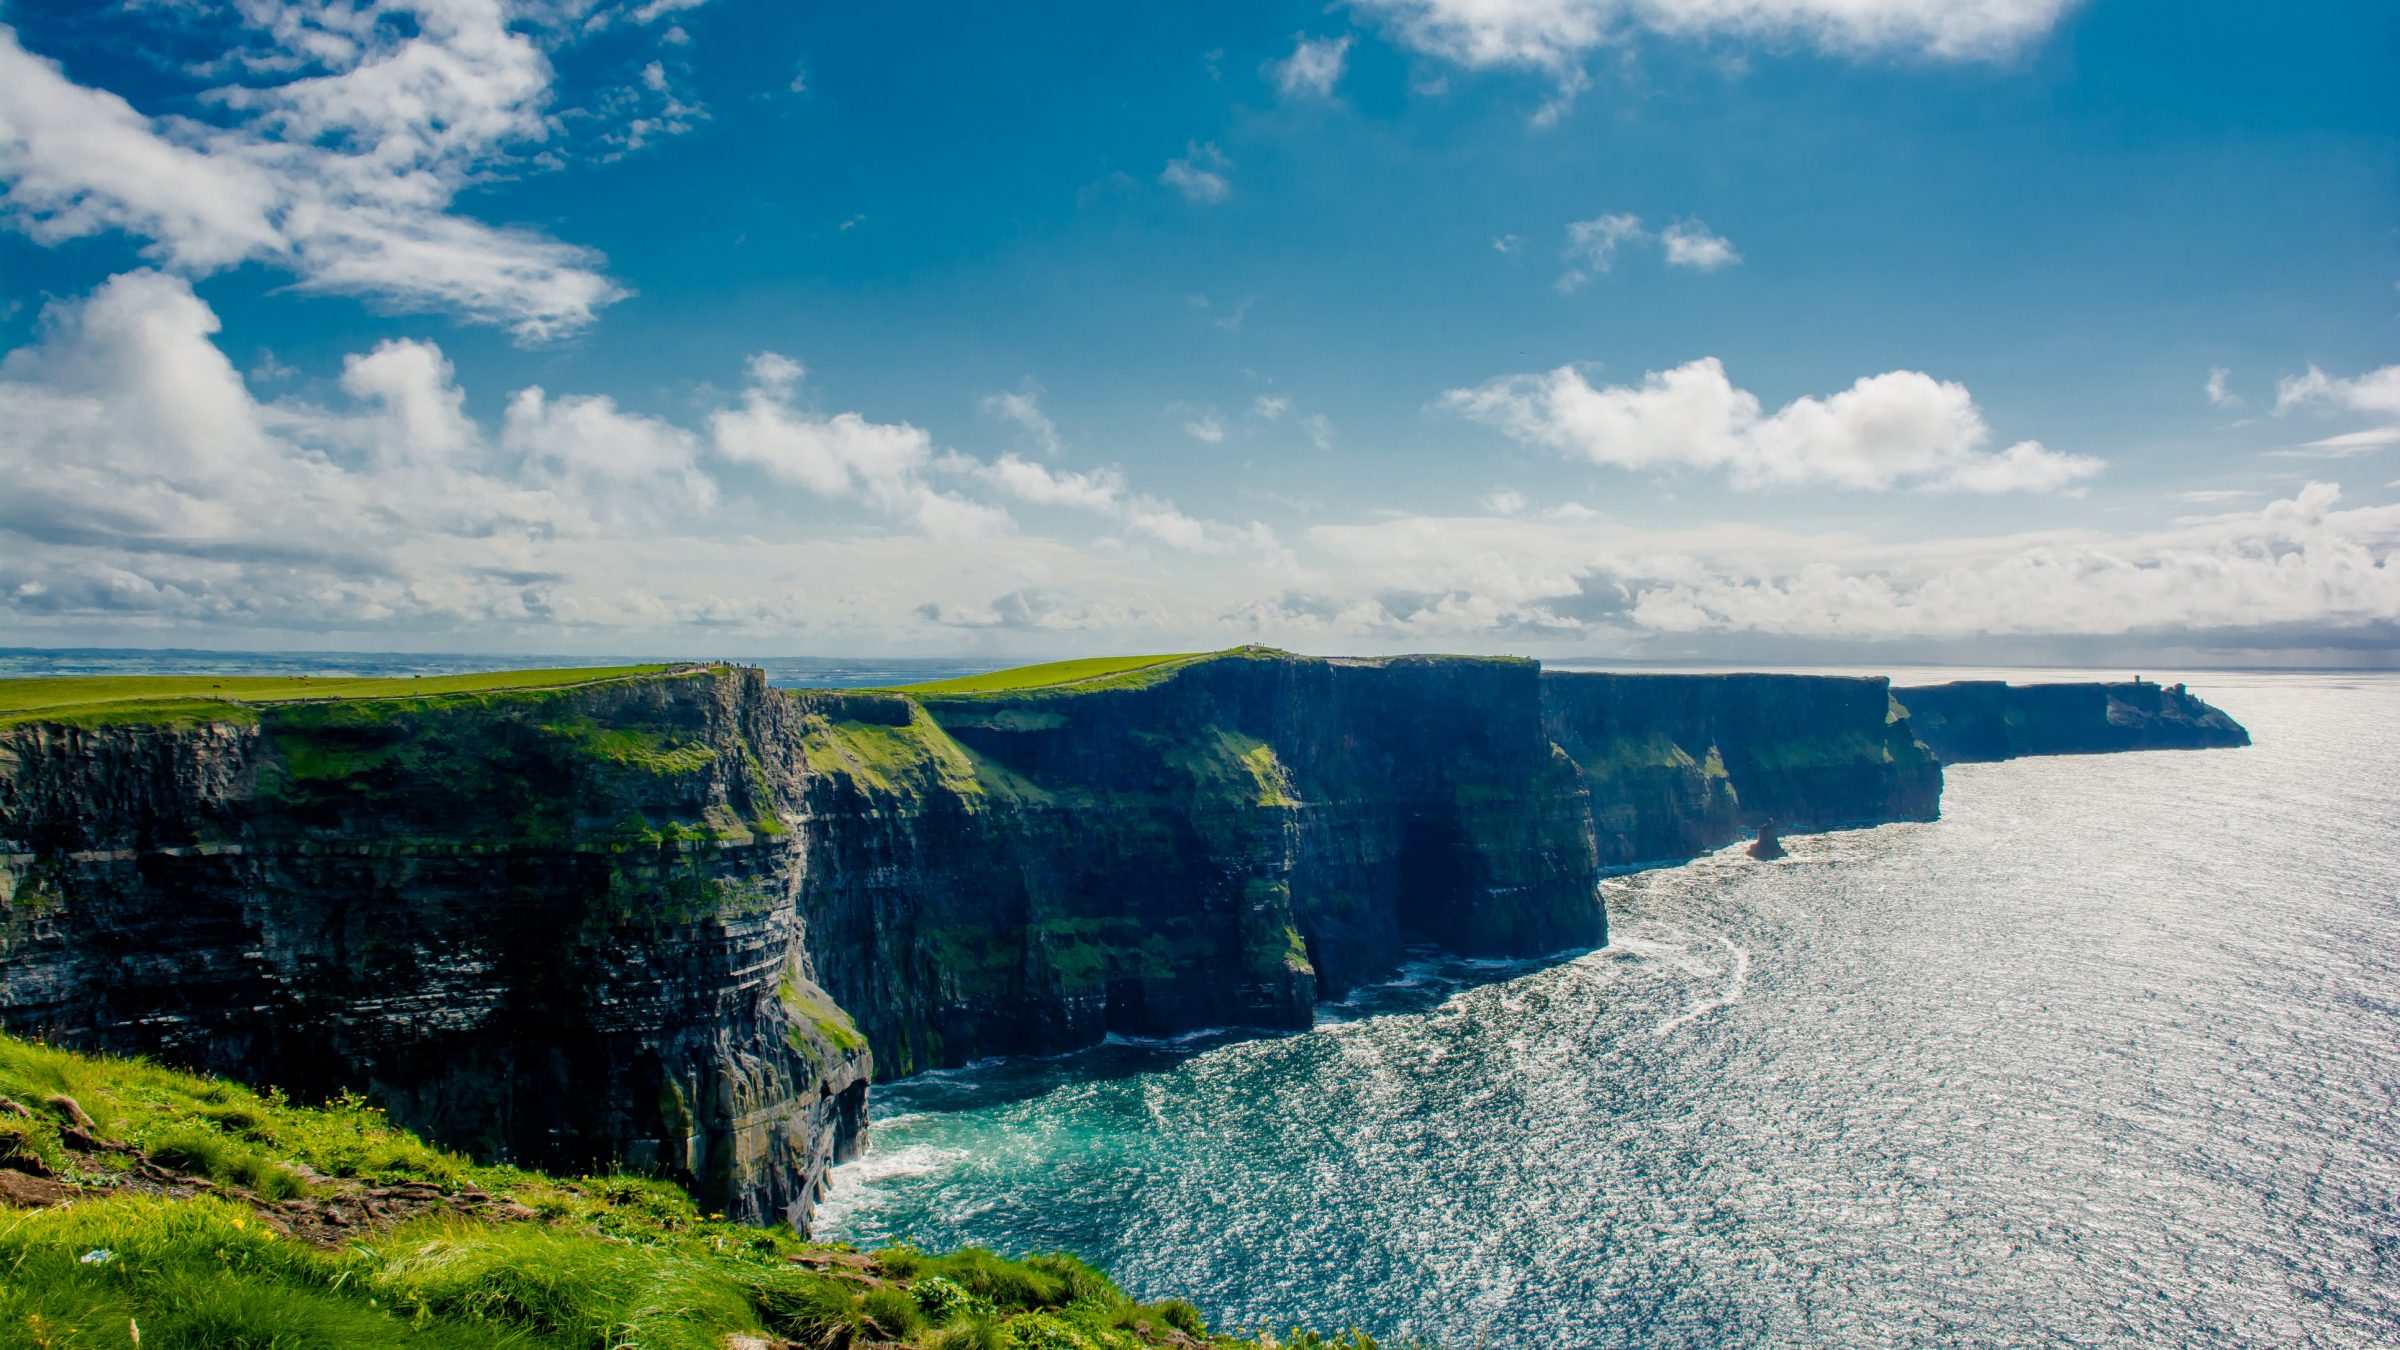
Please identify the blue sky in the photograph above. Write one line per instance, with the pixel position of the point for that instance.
(1760, 329)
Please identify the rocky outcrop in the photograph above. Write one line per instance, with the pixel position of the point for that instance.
(658, 922)
(1973, 720)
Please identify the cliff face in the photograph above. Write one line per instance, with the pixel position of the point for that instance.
(1225, 846)
(1974, 720)
(559, 929)
(1680, 764)
(658, 921)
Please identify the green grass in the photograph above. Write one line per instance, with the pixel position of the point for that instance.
(603, 1263)
(1056, 674)
(97, 699)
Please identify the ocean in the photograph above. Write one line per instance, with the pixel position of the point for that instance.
(2107, 1056)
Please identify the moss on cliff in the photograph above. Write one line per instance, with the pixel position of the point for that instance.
(234, 1238)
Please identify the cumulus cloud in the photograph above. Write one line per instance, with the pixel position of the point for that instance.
(1313, 68)
(1205, 429)
(1898, 429)
(340, 167)
(1690, 244)
(136, 462)
(845, 456)
(1201, 175)
(145, 486)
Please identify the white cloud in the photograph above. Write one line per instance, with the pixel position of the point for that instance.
(1104, 492)
(659, 9)
(1690, 244)
(1271, 406)
(843, 456)
(145, 489)
(1205, 428)
(1200, 177)
(1507, 243)
(340, 168)
(2348, 445)
(2293, 567)
(2219, 395)
(1592, 246)
(1313, 68)
(2376, 392)
(1556, 35)
(1024, 408)
(1898, 429)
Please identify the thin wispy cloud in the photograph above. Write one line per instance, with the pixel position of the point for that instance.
(1593, 246)
(2220, 394)
(1313, 69)
(1024, 408)
(1201, 174)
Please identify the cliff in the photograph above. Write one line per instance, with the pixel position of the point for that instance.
(1680, 764)
(658, 919)
(1973, 720)
(555, 927)
(1222, 844)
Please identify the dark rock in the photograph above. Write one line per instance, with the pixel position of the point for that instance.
(1973, 720)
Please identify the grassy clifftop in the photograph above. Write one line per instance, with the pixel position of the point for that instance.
(141, 1206)
(94, 699)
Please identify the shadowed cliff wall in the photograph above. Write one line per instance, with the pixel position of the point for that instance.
(1680, 764)
(1973, 720)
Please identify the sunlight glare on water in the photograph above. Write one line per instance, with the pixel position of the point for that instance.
(2110, 1055)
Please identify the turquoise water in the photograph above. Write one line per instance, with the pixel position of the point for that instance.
(2110, 1055)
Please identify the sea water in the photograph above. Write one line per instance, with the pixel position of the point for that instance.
(2109, 1055)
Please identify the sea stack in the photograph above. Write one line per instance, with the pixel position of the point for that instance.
(1766, 847)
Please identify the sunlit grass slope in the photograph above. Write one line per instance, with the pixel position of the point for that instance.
(103, 698)
(1092, 671)
(196, 1212)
